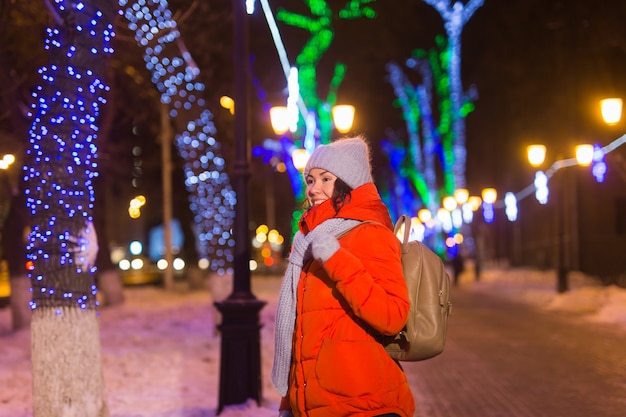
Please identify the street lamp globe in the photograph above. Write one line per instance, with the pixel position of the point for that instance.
(6, 161)
(474, 202)
(449, 203)
(299, 157)
(536, 154)
(461, 195)
(611, 109)
(490, 195)
(343, 117)
(279, 117)
(584, 154)
(424, 215)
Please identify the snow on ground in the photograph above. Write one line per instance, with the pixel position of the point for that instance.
(586, 295)
(161, 350)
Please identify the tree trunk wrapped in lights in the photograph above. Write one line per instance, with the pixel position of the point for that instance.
(175, 74)
(59, 172)
(430, 163)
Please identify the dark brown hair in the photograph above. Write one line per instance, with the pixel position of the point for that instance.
(341, 195)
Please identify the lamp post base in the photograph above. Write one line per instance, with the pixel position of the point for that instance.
(240, 363)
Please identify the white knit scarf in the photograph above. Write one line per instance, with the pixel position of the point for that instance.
(286, 312)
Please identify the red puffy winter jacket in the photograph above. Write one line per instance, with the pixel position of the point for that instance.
(338, 368)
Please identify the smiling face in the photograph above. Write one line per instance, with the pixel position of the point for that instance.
(319, 186)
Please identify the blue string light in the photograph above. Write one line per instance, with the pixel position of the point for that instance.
(61, 159)
(598, 168)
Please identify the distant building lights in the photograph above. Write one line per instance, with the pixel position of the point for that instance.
(135, 247)
(203, 263)
(178, 264)
(124, 264)
(136, 264)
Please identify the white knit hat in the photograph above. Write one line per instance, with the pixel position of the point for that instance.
(348, 159)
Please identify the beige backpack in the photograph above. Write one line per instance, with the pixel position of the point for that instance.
(424, 335)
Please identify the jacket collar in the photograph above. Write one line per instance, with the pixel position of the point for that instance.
(364, 204)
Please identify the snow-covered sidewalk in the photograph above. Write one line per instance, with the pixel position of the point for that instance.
(586, 295)
(161, 351)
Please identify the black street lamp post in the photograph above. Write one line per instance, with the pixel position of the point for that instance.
(240, 364)
(562, 271)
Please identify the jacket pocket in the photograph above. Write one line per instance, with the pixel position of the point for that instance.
(350, 369)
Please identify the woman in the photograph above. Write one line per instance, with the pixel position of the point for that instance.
(343, 289)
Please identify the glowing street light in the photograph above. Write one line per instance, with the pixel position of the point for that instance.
(584, 154)
(536, 154)
(6, 161)
(424, 215)
(279, 117)
(461, 195)
(490, 195)
(449, 203)
(611, 109)
(343, 117)
(299, 157)
(228, 103)
(474, 202)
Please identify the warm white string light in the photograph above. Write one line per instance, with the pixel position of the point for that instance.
(174, 73)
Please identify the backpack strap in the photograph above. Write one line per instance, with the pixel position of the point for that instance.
(405, 221)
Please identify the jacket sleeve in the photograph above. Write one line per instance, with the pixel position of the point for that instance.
(368, 272)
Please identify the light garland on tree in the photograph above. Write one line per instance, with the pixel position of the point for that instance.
(428, 149)
(315, 124)
(174, 73)
(455, 15)
(442, 141)
(61, 158)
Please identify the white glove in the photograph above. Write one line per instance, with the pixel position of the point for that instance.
(323, 246)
